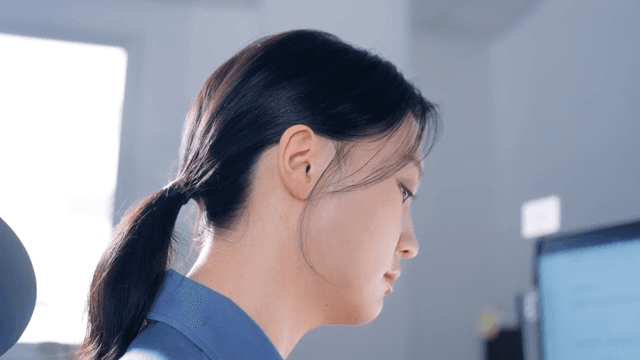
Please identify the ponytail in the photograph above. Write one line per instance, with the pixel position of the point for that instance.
(129, 275)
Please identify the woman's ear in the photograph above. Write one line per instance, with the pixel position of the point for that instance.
(301, 156)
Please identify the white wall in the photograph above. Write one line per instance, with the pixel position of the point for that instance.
(551, 107)
(565, 113)
(455, 218)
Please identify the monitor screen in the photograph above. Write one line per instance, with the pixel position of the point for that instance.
(589, 288)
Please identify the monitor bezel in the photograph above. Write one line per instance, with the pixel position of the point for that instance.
(584, 238)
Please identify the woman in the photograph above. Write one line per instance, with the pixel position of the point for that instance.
(302, 153)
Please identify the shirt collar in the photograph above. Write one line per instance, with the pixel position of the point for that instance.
(211, 320)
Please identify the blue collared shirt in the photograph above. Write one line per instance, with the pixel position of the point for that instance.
(190, 321)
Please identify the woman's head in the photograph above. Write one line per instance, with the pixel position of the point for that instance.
(343, 94)
(341, 106)
(300, 125)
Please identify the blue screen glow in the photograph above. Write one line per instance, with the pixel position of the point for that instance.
(590, 302)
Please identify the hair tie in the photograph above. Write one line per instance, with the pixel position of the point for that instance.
(173, 192)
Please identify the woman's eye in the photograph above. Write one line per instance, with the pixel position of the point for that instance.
(408, 192)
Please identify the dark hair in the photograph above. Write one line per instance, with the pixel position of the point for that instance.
(309, 77)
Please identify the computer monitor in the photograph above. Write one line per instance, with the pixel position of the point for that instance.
(589, 293)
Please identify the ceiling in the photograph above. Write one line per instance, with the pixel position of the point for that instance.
(472, 19)
(469, 19)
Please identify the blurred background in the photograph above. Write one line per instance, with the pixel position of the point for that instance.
(539, 101)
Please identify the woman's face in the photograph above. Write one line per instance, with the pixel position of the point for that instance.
(357, 236)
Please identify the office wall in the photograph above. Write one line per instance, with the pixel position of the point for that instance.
(549, 107)
(452, 279)
(566, 87)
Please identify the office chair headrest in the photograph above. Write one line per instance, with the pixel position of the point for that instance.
(17, 288)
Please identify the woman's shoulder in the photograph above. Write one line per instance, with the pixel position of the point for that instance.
(159, 341)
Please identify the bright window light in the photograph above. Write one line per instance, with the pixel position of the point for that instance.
(60, 114)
